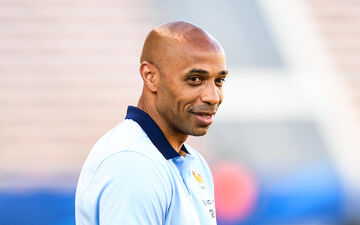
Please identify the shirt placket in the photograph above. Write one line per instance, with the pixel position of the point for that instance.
(183, 165)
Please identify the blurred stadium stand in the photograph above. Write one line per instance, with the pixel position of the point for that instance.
(68, 69)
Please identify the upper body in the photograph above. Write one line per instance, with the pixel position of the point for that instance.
(141, 172)
(134, 176)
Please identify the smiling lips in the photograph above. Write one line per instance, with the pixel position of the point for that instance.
(205, 118)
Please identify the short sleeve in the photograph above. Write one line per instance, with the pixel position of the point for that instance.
(130, 189)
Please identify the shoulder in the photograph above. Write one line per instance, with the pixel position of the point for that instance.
(128, 176)
(124, 155)
(127, 188)
(132, 169)
(125, 137)
(128, 163)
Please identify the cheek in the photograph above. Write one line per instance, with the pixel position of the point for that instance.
(191, 97)
(176, 97)
(165, 93)
(169, 101)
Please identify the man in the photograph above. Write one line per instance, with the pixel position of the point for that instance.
(141, 172)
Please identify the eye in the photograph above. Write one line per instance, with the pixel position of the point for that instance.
(219, 81)
(195, 80)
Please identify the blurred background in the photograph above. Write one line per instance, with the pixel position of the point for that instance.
(284, 148)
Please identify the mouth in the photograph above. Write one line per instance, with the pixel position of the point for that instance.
(205, 118)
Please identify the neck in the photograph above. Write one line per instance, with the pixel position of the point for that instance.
(175, 139)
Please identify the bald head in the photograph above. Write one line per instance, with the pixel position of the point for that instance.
(166, 43)
(183, 69)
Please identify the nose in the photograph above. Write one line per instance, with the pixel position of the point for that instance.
(211, 94)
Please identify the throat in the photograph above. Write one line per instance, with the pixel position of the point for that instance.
(182, 153)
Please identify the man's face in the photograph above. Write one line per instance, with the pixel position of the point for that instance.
(190, 90)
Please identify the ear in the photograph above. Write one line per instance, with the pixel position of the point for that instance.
(150, 75)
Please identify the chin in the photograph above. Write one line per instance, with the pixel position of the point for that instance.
(199, 131)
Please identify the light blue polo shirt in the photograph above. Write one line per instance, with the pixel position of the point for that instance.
(134, 176)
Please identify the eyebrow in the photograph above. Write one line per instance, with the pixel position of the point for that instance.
(224, 72)
(201, 71)
(198, 71)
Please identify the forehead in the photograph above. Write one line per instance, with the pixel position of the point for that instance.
(203, 59)
(181, 55)
(205, 56)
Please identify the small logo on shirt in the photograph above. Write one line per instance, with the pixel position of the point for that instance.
(198, 177)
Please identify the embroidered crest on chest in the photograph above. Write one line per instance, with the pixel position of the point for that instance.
(200, 180)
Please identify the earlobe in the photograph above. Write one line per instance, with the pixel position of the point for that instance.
(149, 75)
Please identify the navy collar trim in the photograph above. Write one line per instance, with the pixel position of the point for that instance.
(153, 132)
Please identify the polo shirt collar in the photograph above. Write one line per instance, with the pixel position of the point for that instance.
(153, 132)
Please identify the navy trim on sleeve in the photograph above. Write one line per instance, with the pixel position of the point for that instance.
(153, 131)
